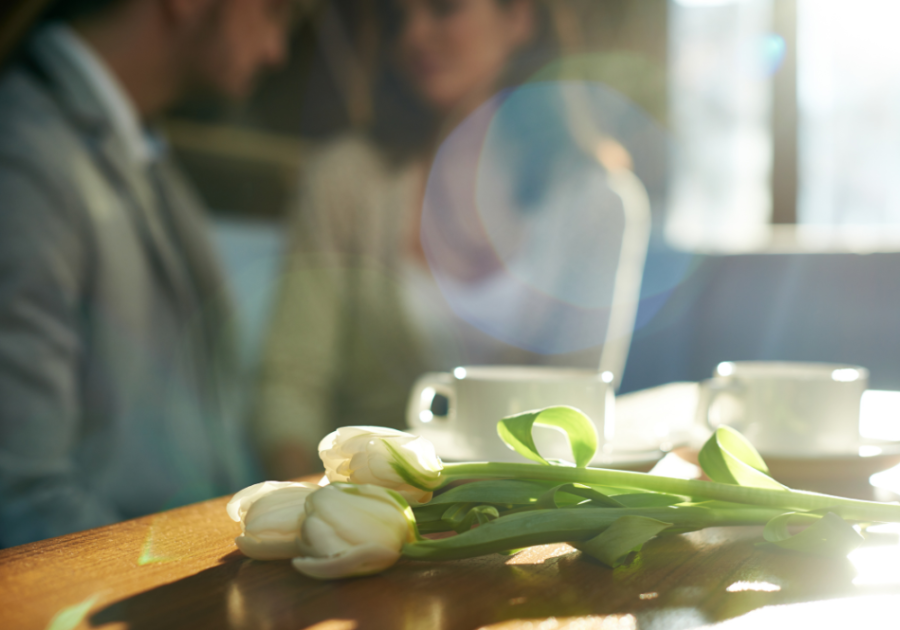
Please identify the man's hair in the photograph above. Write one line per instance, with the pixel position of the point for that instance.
(71, 10)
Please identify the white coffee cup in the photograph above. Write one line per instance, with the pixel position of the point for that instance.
(480, 396)
(787, 409)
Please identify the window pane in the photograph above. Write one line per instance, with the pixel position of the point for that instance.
(848, 66)
(721, 60)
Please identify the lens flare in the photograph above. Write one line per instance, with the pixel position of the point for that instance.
(520, 225)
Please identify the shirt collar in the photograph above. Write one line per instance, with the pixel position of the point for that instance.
(143, 146)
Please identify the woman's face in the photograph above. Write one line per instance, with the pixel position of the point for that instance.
(454, 51)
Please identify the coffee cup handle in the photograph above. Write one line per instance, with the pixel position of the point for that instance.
(707, 392)
(423, 392)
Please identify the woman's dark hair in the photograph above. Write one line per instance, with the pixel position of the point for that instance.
(402, 125)
(26, 16)
(69, 10)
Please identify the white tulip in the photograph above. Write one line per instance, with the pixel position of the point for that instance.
(382, 457)
(353, 530)
(270, 514)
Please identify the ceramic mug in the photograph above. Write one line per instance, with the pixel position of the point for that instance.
(479, 396)
(787, 409)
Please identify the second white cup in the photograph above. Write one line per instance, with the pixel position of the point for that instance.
(787, 409)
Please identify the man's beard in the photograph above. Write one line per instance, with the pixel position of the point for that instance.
(199, 85)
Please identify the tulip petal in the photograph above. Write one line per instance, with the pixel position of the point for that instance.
(426, 456)
(360, 560)
(345, 434)
(358, 519)
(379, 470)
(240, 503)
(320, 539)
(363, 468)
(267, 548)
(270, 514)
(415, 496)
(384, 457)
(282, 510)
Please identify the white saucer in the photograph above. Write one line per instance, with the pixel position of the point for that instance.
(865, 448)
(628, 460)
(452, 449)
(869, 457)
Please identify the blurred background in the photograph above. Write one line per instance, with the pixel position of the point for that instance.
(247, 159)
(777, 235)
(775, 216)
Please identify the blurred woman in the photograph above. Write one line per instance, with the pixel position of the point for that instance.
(382, 237)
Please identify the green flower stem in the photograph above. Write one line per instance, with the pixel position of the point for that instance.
(541, 527)
(796, 500)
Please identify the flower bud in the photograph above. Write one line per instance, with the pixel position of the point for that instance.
(353, 530)
(270, 514)
(382, 457)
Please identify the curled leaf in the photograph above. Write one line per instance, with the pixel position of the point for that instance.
(480, 514)
(516, 432)
(826, 535)
(456, 514)
(727, 457)
(626, 535)
(462, 516)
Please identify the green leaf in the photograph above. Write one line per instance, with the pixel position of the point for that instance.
(827, 535)
(514, 531)
(626, 535)
(552, 499)
(428, 513)
(727, 457)
(541, 527)
(498, 491)
(449, 509)
(649, 499)
(516, 431)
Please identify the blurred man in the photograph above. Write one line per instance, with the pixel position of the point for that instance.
(117, 369)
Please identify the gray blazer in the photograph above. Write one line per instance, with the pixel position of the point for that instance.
(118, 385)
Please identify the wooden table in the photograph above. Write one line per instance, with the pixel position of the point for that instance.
(180, 569)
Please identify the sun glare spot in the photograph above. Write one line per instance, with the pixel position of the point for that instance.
(726, 368)
(335, 624)
(879, 415)
(705, 3)
(870, 451)
(72, 616)
(845, 375)
(150, 554)
(764, 587)
(876, 566)
(590, 622)
(539, 555)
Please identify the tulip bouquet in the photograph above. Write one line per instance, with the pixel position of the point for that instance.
(378, 503)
